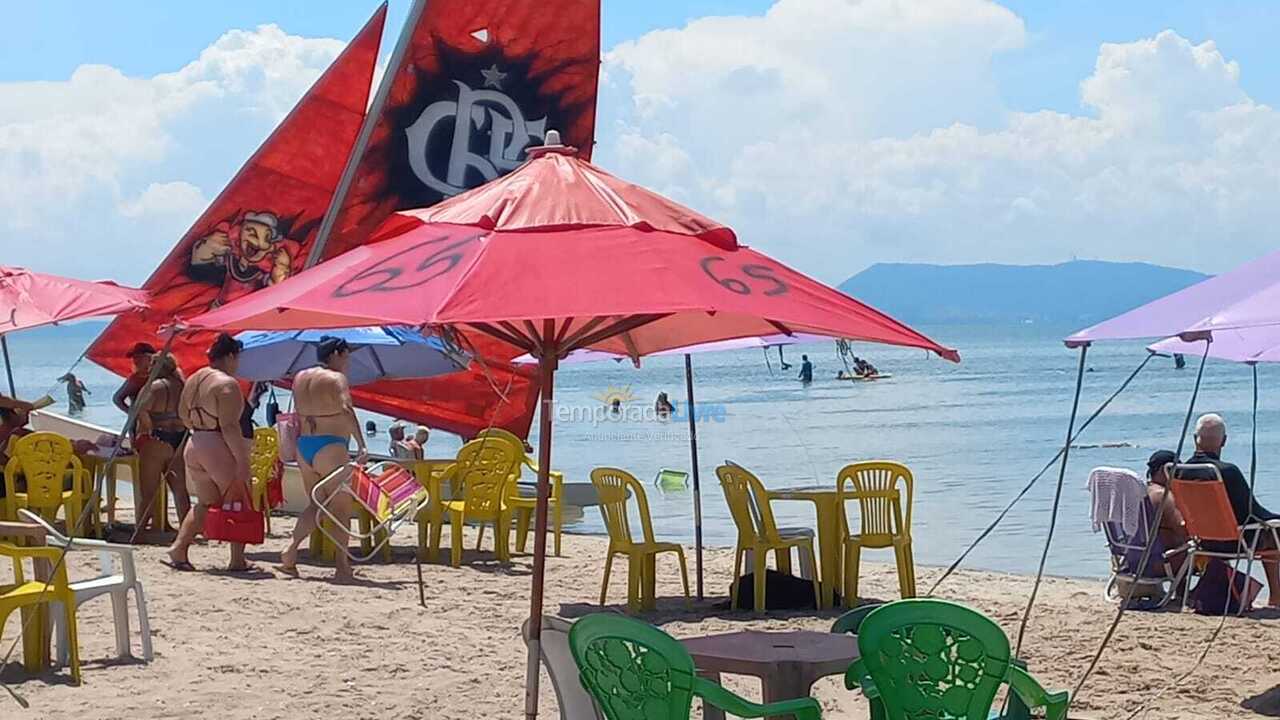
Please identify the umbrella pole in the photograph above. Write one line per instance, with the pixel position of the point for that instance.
(547, 374)
(8, 367)
(693, 458)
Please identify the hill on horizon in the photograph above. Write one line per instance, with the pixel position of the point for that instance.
(1080, 291)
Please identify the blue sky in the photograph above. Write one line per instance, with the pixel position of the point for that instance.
(830, 133)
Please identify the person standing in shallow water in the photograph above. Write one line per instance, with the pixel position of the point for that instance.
(806, 370)
(75, 393)
(329, 422)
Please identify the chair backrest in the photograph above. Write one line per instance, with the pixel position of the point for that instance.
(264, 453)
(748, 502)
(1202, 499)
(879, 486)
(612, 487)
(632, 669)
(507, 436)
(574, 700)
(848, 623)
(481, 473)
(43, 459)
(932, 658)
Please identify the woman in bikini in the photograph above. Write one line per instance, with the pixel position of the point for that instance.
(323, 401)
(160, 439)
(217, 455)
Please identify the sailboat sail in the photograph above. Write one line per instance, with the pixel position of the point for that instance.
(264, 223)
(472, 85)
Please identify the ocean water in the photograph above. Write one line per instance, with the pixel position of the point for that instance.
(973, 434)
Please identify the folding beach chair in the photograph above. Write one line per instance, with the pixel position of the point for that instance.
(388, 492)
(1202, 499)
(1157, 581)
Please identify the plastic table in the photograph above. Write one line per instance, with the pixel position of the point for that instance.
(787, 663)
(827, 502)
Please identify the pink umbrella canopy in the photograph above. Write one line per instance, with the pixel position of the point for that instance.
(1248, 296)
(30, 299)
(554, 257)
(1242, 345)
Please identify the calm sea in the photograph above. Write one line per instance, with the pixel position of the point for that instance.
(973, 433)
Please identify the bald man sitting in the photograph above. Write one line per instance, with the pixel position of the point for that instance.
(1211, 437)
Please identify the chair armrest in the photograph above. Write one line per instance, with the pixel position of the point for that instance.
(801, 708)
(857, 677)
(51, 554)
(1034, 695)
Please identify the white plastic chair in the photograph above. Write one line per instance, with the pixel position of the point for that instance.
(574, 700)
(108, 582)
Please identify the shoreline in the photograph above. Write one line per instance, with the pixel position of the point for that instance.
(261, 647)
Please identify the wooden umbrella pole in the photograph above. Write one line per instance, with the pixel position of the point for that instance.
(547, 373)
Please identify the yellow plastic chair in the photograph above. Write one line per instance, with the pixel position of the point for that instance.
(879, 487)
(263, 455)
(480, 477)
(525, 506)
(758, 534)
(44, 459)
(430, 474)
(30, 595)
(612, 486)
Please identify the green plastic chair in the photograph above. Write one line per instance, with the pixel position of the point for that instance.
(932, 658)
(637, 672)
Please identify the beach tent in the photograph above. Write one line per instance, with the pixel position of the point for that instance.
(30, 299)
(556, 256)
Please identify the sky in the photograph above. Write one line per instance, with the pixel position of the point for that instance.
(832, 134)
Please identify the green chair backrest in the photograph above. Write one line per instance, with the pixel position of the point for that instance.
(632, 669)
(934, 659)
(849, 622)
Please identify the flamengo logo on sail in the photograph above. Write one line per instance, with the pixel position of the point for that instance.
(475, 113)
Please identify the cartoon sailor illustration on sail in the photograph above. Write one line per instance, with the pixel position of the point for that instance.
(246, 253)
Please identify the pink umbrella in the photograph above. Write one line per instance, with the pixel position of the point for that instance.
(29, 299)
(557, 256)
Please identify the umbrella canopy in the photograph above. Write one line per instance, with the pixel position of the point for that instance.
(1242, 345)
(1248, 296)
(377, 352)
(554, 257)
(768, 341)
(30, 299)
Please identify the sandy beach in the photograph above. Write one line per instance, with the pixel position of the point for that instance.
(265, 647)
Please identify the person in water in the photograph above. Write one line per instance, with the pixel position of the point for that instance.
(806, 370)
(216, 454)
(663, 407)
(160, 442)
(75, 393)
(323, 399)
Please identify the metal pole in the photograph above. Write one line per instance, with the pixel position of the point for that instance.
(8, 367)
(547, 373)
(693, 458)
(366, 131)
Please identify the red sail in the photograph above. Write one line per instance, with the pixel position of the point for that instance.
(261, 227)
(474, 83)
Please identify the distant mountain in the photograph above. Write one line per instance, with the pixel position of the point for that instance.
(1081, 291)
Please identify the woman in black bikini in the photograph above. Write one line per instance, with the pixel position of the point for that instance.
(160, 441)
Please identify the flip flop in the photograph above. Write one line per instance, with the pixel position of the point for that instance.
(179, 565)
(289, 572)
(250, 568)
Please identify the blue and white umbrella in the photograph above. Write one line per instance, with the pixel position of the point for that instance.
(376, 352)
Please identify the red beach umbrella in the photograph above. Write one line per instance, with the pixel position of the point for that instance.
(30, 299)
(556, 256)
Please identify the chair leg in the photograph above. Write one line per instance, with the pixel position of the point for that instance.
(62, 652)
(1191, 571)
(737, 573)
(502, 538)
(144, 622)
(559, 520)
(684, 576)
(604, 586)
(523, 516)
(120, 613)
(852, 562)
(635, 569)
(73, 639)
(437, 529)
(906, 574)
(479, 536)
(759, 575)
(782, 558)
(455, 536)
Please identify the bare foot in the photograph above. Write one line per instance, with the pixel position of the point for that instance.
(289, 563)
(345, 577)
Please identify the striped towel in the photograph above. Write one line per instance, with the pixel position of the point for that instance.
(1118, 496)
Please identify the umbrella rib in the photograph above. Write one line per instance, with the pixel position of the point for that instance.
(564, 330)
(592, 324)
(521, 342)
(532, 338)
(781, 328)
(626, 324)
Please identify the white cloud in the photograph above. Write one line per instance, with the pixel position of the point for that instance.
(836, 133)
(102, 160)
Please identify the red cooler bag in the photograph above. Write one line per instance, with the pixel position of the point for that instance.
(235, 522)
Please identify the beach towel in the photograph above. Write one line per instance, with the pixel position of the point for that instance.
(1118, 495)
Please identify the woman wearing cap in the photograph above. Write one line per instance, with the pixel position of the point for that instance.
(216, 455)
(141, 354)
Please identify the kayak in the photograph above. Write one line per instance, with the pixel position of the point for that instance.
(866, 378)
